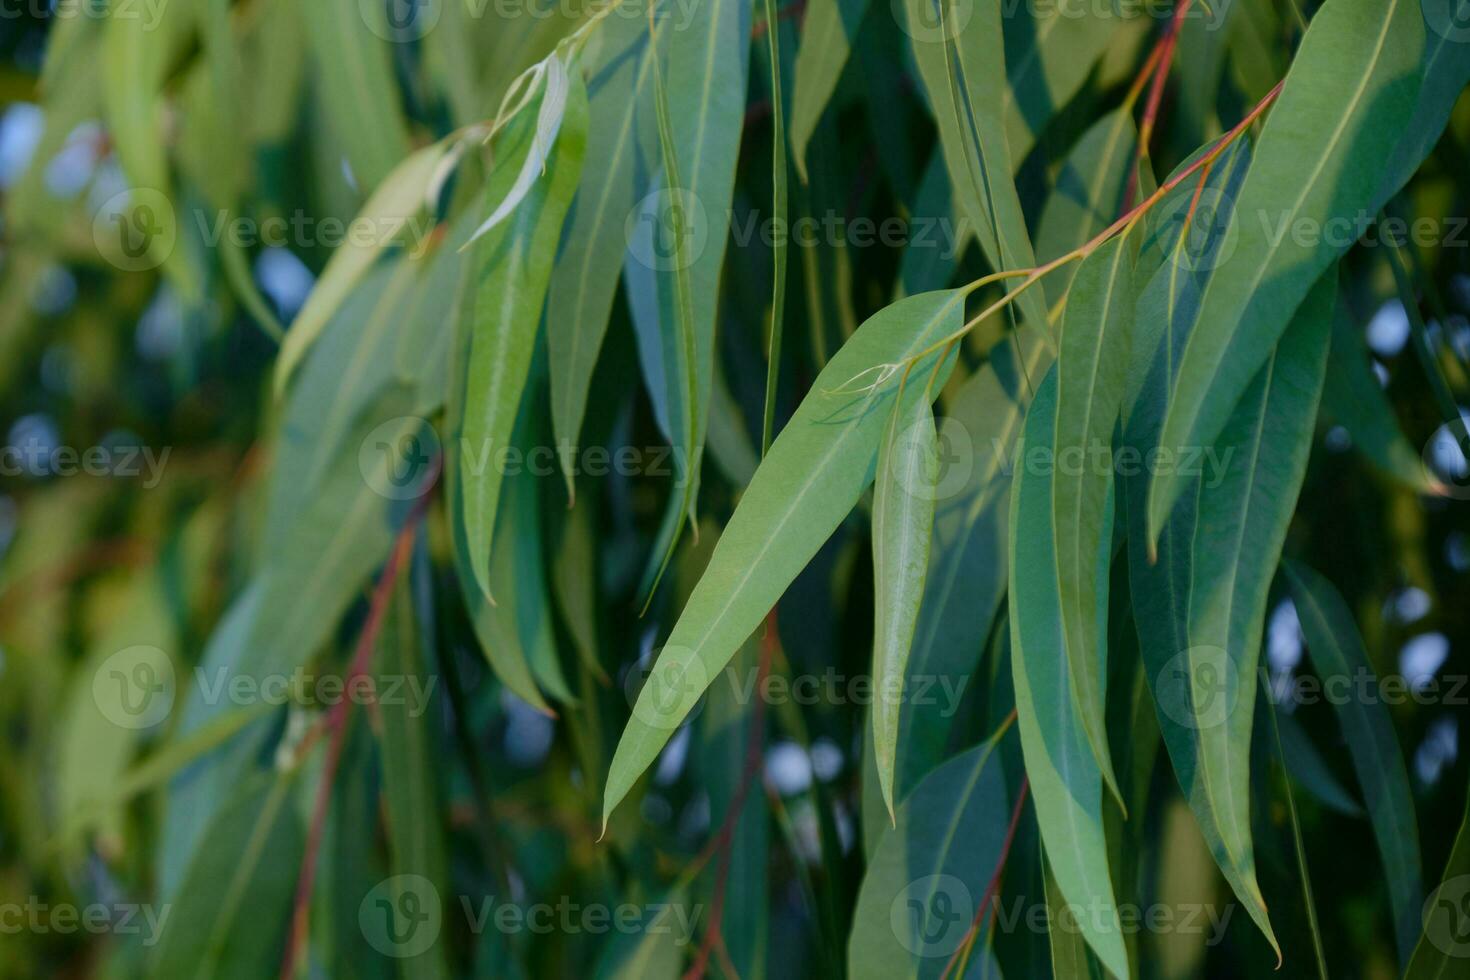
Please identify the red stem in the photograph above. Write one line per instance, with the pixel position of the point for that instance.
(994, 886)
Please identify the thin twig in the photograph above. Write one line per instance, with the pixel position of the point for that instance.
(994, 886)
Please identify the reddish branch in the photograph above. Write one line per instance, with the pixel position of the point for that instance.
(1160, 62)
(336, 725)
(989, 900)
(714, 940)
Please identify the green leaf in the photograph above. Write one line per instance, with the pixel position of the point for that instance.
(1444, 72)
(779, 213)
(1064, 774)
(1092, 369)
(409, 756)
(827, 34)
(232, 911)
(1307, 767)
(1318, 160)
(354, 70)
(1441, 949)
(513, 269)
(585, 279)
(821, 463)
(1337, 652)
(967, 567)
(1070, 957)
(903, 519)
(959, 58)
(401, 195)
(923, 885)
(1355, 399)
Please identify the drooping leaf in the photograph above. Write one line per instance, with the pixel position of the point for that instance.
(903, 519)
(959, 52)
(231, 914)
(512, 271)
(1441, 949)
(1355, 400)
(926, 879)
(1337, 651)
(1092, 372)
(1317, 161)
(817, 468)
(966, 580)
(1064, 773)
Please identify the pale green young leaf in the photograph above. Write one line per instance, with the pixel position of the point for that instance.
(512, 269)
(903, 520)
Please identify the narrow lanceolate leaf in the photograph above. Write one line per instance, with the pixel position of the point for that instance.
(1337, 652)
(1443, 947)
(817, 469)
(927, 875)
(1444, 71)
(960, 61)
(399, 197)
(1355, 399)
(1092, 374)
(778, 212)
(231, 912)
(408, 753)
(1064, 774)
(827, 36)
(583, 284)
(1319, 160)
(903, 519)
(514, 265)
(967, 568)
(684, 378)
(556, 83)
